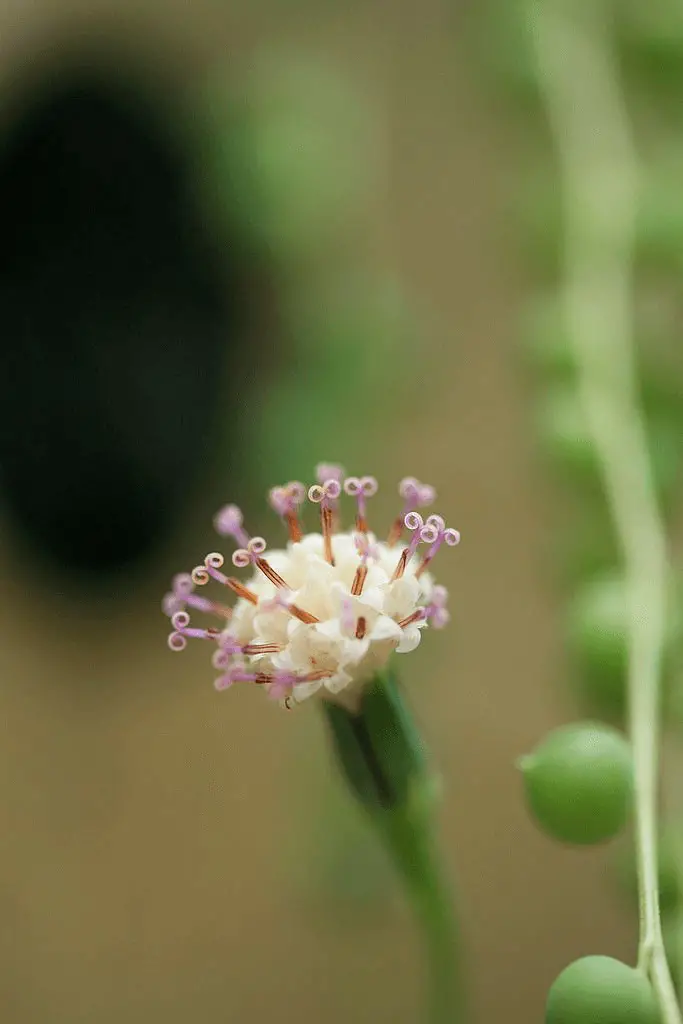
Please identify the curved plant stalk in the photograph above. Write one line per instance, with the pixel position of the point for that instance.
(599, 173)
(384, 765)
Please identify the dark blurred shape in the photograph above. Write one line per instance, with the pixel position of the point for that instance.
(115, 326)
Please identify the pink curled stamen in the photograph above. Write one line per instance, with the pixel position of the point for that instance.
(447, 536)
(325, 495)
(252, 555)
(201, 574)
(415, 495)
(180, 594)
(182, 583)
(278, 678)
(203, 604)
(181, 625)
(228, 523)
(329, 471)
(415, 523)
(180, 620)
(325, 471)
(286, 501)
(361, 488)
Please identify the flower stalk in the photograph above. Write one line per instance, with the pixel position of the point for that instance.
(385, 766)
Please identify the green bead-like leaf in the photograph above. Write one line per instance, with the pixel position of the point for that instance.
(578, 782)
(597, 636)
(600, 989)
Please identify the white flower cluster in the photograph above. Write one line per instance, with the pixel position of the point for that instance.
(324, 614)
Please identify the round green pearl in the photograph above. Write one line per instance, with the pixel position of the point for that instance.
(601, 990)
(597, 637)
(579, 783)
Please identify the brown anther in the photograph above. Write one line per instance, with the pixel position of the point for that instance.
(222, 609)
(415, 617)
(359, 580)
(301, 615)
(313, 677)
(268, 571)
(241, 590)
(294, 527)
(395, 532)
(262, 678)
(401, 566)
(212, 633)
(327, 529)
(361, 626)
(263, 648)
(361, 524)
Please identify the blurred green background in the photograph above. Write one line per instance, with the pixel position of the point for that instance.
(167, 853)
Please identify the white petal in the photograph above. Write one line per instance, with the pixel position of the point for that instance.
(270, 627)
(401, 597)
(385, 629)
(410, 640)
(353, 650)
(372, 598)
(337, 682)
(331, 628)
(302, 691)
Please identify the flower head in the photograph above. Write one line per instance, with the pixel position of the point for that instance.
(324, 614)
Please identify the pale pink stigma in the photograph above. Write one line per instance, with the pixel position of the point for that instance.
(414, 522)
(286, 501)
(415, 495)
(361, 488)
(238, 674)
(328, 471)
(325, 495)
(438, 535)
(436, 612)
(325, 471)
(182, 595)
(228, 522)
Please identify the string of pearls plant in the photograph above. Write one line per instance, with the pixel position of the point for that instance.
(600, 178)
(612, 421)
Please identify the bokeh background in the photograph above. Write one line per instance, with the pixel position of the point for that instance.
(238, 239)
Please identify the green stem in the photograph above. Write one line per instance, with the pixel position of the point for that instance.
(412, 845)
(600, 177)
